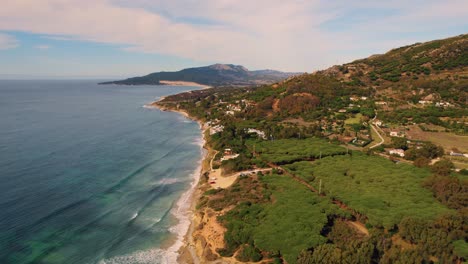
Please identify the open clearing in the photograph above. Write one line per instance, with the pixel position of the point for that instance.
(447, 140)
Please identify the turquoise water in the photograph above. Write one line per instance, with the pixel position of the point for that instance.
(87, 175)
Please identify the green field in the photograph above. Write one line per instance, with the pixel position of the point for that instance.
(354, 120)
(373, 186)
(290, 223)
(290, 150)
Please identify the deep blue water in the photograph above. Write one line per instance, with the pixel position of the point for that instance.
(88, 175)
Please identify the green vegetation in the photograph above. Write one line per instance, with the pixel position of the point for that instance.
(390, 212)
(354, 119)
(289, 150)
(373, 186)
(292, 223)
(461, 248)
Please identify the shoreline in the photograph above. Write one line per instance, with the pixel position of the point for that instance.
(184, 83)
(184, 245)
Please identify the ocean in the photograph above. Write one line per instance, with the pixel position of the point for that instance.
(88, 175)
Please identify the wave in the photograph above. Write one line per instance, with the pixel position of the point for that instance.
(140, 257)
(181, 211)
(183, 214)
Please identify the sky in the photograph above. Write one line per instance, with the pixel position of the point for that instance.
(124, 38)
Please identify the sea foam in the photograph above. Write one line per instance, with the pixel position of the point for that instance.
(182, 212)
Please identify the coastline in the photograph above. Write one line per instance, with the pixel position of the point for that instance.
(186, 247)
(184, 83)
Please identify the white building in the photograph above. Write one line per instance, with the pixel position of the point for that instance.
(259, 133)
(216, 129)
(398, 152)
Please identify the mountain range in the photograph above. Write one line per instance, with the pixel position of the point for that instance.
(213, 75)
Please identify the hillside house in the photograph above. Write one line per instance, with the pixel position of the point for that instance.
(398, 152)
(229, 154)
(259, 133)
(452, 153)
(216, 129)
(443, 104)
(228, 151)
(425, 102)
(397, 134)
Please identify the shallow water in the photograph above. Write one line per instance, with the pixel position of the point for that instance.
(88, 175)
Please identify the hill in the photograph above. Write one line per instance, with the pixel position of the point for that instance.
(213, 75)
(346, 162)
(436, 68)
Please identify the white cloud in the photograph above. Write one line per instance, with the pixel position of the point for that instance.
(278, 34)
(8, 42)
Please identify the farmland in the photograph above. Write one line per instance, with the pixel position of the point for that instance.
(373, 186)
(289, 150)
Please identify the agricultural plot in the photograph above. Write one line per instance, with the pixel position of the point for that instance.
(285, 151)
(373, 186)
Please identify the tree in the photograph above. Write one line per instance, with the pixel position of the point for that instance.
(421, 162)
(399, 143)
(442, 167)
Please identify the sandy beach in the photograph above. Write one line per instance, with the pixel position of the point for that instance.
(203, 233)
(185, 247)
(183, 83)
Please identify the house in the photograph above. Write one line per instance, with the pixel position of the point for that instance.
(364, 98)
(443, 104)
(342, 111)
(228, 154)
(452, 153)
(397, 134)
(378, 123)
(259, 133)
(216, 129)
(380, 103)
(354, 98)
(398, 152)
(233, 107)
(229, 112)
(228, 151)
(425, 102)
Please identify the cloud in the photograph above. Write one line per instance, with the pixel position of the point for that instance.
(42, 47)
(8, 42)
(286, 35)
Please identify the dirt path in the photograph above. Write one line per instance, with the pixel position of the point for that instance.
(382, 140)
(212, 159)
(226, 181)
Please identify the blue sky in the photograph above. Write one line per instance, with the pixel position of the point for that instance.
(122, 38)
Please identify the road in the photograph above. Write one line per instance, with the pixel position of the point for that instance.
(382, 140)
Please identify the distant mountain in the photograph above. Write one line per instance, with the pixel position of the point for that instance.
(213, 75)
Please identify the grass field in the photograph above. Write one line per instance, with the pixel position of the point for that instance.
(354, 120)
(446, 140)
(289, 150)
(373, 186)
